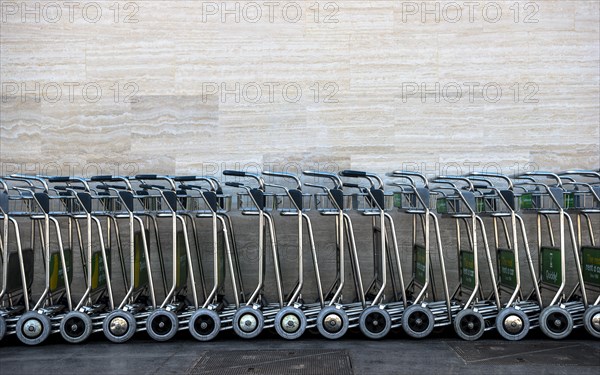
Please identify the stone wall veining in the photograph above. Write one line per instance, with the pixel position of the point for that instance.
(363, 58)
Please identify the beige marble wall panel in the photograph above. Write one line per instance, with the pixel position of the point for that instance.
(355, 63)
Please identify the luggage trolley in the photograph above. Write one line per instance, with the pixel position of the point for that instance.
(44, 209)
(17, 264)
(545, 195)
(123, 208)
(426, 311)
(586, 205)
(97, 299)
(291, 321)
(377, 319)
(478, 313)
(500, 202)
(209, 203)
(257, 314)
(336, 317)
(174, 312)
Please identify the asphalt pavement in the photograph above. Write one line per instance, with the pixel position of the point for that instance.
(441, 353)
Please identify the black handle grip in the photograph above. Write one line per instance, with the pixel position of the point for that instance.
(184, 178)
(481, 186)
(64, 188)
(234, 184)
(108, 186)
(229, 172)
(146, 177)
(59, 179)
(102, 178)
(191, 187)
(150, 186)
(350, 185)
(351, 173)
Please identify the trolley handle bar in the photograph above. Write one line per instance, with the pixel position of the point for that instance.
(29, 178)
(55, 179)
(408, 174)
(352, 173)
(366, 175)
(107, 178)
(67, 179)
(65, 187)
(257, 178)
(155, 177)
(101, 178)
(184, 178)
(482, 187)
(229, 172)
(547, 175)
(109, 186)
(457, 178)
(584, 173)
(324, 188)
(494, 175)
(209, 180)
(331, 176)
(152, 187)
(288, 176)
(191, 187)
(146, 177)
(355, 186)
(235, 184)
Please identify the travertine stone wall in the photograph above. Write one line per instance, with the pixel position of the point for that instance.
(199, 86)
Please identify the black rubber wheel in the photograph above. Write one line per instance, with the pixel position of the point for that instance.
(512, 324)
(290, 323)
(418, 321)
(248, 322)
(332, 322)
(162, 325)
(375, 322)
(119, 326)
(33, 328)
(204, 324)
(469, 325)
(76, 327)
(556, 322)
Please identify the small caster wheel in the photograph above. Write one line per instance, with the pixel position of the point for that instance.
(205, 324)
(332, 322)
(76, 327)
(290, 323)
(556, 322)
(512, 324)
(162, 325)
(33, 328)
(469, 325)
(591, 321)
(248, 322)
(417, 321)
(375, 323)
(119, 326)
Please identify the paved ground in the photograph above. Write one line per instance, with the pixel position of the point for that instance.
(442, 354)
